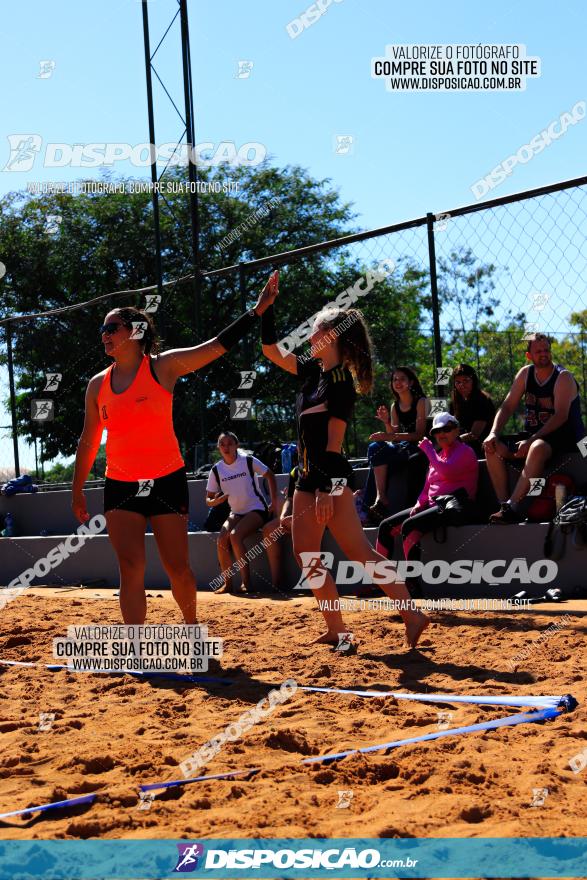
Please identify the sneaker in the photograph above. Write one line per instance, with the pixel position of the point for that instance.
(506, 516)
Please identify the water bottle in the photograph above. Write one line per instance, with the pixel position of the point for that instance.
(287, 457)
(359, 497)
(8, 531)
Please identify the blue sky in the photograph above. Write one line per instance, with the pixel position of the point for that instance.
(412, 152)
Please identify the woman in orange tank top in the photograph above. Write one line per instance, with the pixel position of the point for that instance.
(145, 474)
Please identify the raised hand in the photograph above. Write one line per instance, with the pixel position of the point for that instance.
(383, 414)
(268, 294)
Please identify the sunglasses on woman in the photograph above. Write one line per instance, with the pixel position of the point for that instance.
(110, 328)
(444, 430)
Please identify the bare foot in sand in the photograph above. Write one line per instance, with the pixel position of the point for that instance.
(415, 627)
(327, 639)
(225, 588)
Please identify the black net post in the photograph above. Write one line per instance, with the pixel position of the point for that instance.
(12, 398)
(434, 295)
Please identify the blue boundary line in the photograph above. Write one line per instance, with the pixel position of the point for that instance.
(510, 720)
(557, 707)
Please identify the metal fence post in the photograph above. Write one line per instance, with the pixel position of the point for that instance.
(242, 284)
(12, 399)
(154, 176)
(584, 383)
(434, 294)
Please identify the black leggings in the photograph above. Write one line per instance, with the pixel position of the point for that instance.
(411, 529)
(402, 524)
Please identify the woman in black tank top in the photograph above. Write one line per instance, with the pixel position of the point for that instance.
(472, 407)
(407, 419)
(405, 426)
(340, 366)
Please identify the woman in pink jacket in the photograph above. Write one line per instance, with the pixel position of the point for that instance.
(447, 498)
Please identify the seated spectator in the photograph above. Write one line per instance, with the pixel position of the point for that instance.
(274, 531)
(391, 449)
(447, 498)
(472, 407)
(553, 426)
(233, 480)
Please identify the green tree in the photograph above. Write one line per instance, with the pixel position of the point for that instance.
(467, 286)
(63, 473)
(105, 243)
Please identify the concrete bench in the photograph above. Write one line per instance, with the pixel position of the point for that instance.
(96, 561)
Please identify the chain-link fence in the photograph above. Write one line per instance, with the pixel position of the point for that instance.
(397, 310)
(515, 264)
(467, 286)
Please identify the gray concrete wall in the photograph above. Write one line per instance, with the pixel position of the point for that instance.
(95, 560)
(51, 511)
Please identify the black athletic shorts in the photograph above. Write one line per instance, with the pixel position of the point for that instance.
(168, 494)
(559, 440)
(512, 445)
(310, 480)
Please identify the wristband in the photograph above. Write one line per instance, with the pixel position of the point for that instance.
(268, 331)
(235, 331)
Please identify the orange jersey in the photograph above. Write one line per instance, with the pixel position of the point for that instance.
(141, 443)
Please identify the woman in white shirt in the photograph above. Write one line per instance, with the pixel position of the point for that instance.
(233, 479)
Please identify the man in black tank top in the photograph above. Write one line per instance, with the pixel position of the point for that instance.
(553, 426)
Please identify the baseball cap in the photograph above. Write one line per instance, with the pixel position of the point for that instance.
(443, 420)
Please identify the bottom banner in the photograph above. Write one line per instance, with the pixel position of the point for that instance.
(296, 858)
